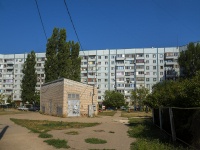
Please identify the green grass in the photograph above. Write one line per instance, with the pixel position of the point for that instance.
(136, 114)
(107, 113)
(95, 141)
(72, 133)
(45, 135)
(57, 143)
(149, 137)
(39, 126)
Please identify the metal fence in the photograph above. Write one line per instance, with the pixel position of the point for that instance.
(180, 123)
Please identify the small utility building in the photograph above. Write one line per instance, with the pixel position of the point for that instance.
(67, 98)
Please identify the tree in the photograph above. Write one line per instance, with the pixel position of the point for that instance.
(62, 58)
(139, 96)
(29, 79)
(2, 97)
(113, 99)
(189, 60)
(76, 62)
(51, 64)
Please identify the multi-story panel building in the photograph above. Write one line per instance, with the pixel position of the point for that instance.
(122, 70)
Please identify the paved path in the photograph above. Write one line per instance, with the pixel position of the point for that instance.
(113, 129)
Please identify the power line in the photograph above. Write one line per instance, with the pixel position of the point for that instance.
(72, 24)
(41, 19)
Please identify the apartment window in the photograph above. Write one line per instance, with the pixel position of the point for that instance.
(147, 61)
(161, 73)
(154, 79)
(112, 57)
(106, 85)
(161, 61)
(99, 68)
(140, 55)
(112, 62)
(147, 73)
(140, 61)
(99, 91)
(106, 68)
(161, 67)
(99, 57)
(120, 67)
(154, 73)
(141, 72)
(106, 80)
(106, 63)
(147, 56)
(99, 63)
(154, 55)
(175, 54)
(147, 67)
(147, 79)
(99, 74)
(161, 55)
(99, 97)
(140, 67)
(154, 61)
(112, 74)
(99, 80)
(154, 67)
(106, 74)
(106, 57)
(112, 68)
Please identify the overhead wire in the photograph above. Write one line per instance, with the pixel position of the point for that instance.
(41, 19)
(77, 38)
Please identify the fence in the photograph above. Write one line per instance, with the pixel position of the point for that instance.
(182, 124)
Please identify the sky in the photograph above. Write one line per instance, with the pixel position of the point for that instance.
(100, 24)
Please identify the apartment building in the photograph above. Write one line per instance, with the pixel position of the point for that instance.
(122, 70)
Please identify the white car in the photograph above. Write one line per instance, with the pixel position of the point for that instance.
(23, 108)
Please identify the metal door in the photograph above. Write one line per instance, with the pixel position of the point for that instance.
(73, 108)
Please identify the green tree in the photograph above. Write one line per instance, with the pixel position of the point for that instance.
(189, 60)
(76, 62)
(2, 97)
(63, 55)
(29, 79)
(51, 62)
(139, 96)
(113, 99)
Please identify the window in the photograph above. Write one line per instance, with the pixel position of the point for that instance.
(140, 61)
(147, 67)
(161, 61)
(106, 80)
(99, 97)
(161, 67)
(106, 68)
(99, 63)
(154, 61)
(112, 62)
(99, 57)
(154, 67)
(140, 67)
(99, 80)
(154, 55)
(112, 68)
(175, 54)
(161, 73)
(161, 55)
(99, 68)
(106, 85)
(112, 57)
(154, 73)
(154, 79)
(141, 72)
(147, 61)
(147, 79)
(106, 57)
(106, 63)
(147, 56)
(147, 73)
(99, 91)
(99, 74)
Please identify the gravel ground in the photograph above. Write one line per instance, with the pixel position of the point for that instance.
(112, 129)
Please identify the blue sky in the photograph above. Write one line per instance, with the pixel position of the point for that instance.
(100, 24)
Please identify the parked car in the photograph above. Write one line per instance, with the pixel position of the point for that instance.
(123, 108)
(35, 108)
(23, 108)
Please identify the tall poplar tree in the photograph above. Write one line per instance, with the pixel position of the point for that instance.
(76, 62)
(29, 80)
(63, 55)
(51, 62)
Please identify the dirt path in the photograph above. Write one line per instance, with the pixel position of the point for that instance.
(112, 129)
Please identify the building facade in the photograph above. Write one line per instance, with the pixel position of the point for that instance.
(122, 70)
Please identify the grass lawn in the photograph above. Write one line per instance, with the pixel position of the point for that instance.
(136, 114)
(107, 113)
(39, 126)
(95, 141)
(149, 137)
(57, 143)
